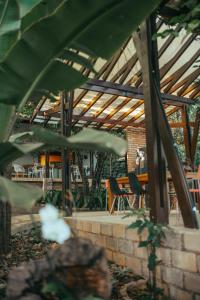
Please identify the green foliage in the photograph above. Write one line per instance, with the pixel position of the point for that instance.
(39, 38)
(19, 195)
(186, 14)
(86, 139)
(155, 236)
(58, 289)
(87, 26)
(53, 197)
(9, 25)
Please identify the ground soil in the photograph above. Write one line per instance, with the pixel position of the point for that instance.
(28, 245)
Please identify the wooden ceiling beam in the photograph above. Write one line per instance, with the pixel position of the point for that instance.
(126, 114)
(38, 108)
(129, 91)
(122, 123)
(160, 53)
(195, 92)
(180, 72)
(116, 109)
(165, 69)
(193, 76)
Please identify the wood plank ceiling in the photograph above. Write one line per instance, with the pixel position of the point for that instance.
(104, 103)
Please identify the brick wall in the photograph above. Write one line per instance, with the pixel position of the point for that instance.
(179, 273)
(136, 138)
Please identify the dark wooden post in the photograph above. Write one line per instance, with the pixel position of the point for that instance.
(66, 102)
(5, 219)
(186, 134)
(157, 185)
(195, 135)
(158, 128)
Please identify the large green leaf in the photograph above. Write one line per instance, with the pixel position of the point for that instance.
(33, 10)
(89, 139)
(20, 195)
(17, 15)
(11, 151)
(33, 58)
(9, 25)
(98, 140)
(7, 115)
(118, 20)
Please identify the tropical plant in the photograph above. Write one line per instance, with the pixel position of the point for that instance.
(38, 41)
(184, 13)
(153, 241)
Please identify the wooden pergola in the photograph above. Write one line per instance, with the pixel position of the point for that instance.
(143, 78)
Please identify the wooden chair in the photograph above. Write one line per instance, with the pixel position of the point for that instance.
(137, 189)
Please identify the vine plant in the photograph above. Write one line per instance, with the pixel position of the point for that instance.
(153, 241)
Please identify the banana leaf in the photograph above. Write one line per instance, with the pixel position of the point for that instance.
(16, 15)
(99, 27)
(11, 151)
(9, 25)
(88, 139)
(7, 115)
(18, 194)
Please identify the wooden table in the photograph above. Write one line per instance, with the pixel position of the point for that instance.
(143, 179)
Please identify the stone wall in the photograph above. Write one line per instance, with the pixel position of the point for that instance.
(136, 138)
(179, 273)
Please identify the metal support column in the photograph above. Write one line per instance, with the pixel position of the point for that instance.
(66, 102)
(46, 164)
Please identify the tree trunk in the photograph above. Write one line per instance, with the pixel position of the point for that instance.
(5, 227)
(5, 220)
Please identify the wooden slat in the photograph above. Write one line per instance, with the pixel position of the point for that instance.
(175, 77)
(38, 108)
(124, 115)
(116, 109)
(186, 133)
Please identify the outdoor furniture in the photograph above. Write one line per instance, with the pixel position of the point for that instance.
(137, 189)
(143, 178)
(120, 195)
(19, 170)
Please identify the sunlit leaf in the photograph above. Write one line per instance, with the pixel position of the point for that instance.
(9, 25)
(19, 195)
(89, 139)
(7, 114)
(99, 26)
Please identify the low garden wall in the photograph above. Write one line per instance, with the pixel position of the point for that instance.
(179, 272)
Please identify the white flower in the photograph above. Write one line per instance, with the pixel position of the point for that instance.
(48, 213)
(53, 228)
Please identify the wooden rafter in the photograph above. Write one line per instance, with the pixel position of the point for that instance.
(165, 69)
(116, 109)
(175, 77)
(160, 53)
(38, 108)
(124, 115)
